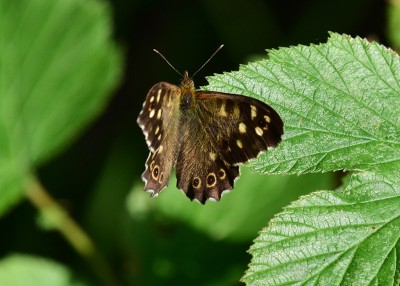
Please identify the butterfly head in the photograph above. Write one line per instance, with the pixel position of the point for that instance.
(187, 84)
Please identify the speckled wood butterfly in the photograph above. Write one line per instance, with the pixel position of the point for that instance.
(204, 135)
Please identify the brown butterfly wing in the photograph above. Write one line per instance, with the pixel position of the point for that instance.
(159, 120)
(200, 171)
(242, 127)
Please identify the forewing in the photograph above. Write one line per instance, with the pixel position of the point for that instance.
(242, 126)
(159, 120)
(158, 117)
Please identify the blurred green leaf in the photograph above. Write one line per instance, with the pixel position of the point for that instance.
(241, 213)
(393, 23)
(57, 68)
(23, 270)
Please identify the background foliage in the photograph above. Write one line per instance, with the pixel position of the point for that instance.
(65, 72)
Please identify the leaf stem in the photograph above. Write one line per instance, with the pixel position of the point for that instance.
(69, 228)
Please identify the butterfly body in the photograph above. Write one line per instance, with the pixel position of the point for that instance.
(188, 94)
(204, 135)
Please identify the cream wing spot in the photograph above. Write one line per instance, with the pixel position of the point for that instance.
(253, 111)
(239, 143)
(213, 156)
(159, 112)
(259, 131)
(159, 95)
(222, 111)
(236, 110)
(157, 130)
(152, 112)
(242, 128)
(267, 118)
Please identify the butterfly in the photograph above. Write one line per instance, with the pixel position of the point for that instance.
(204, 135)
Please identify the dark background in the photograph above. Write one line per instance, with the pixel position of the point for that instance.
(187, 33)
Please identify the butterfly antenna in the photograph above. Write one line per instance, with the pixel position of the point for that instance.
(165, 59)
(220, 47)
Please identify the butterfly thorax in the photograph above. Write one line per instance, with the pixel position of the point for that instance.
(188, 92)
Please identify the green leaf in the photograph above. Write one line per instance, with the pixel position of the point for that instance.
(333, 238)
(340, 104)
(57, 68)
(22, 270)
